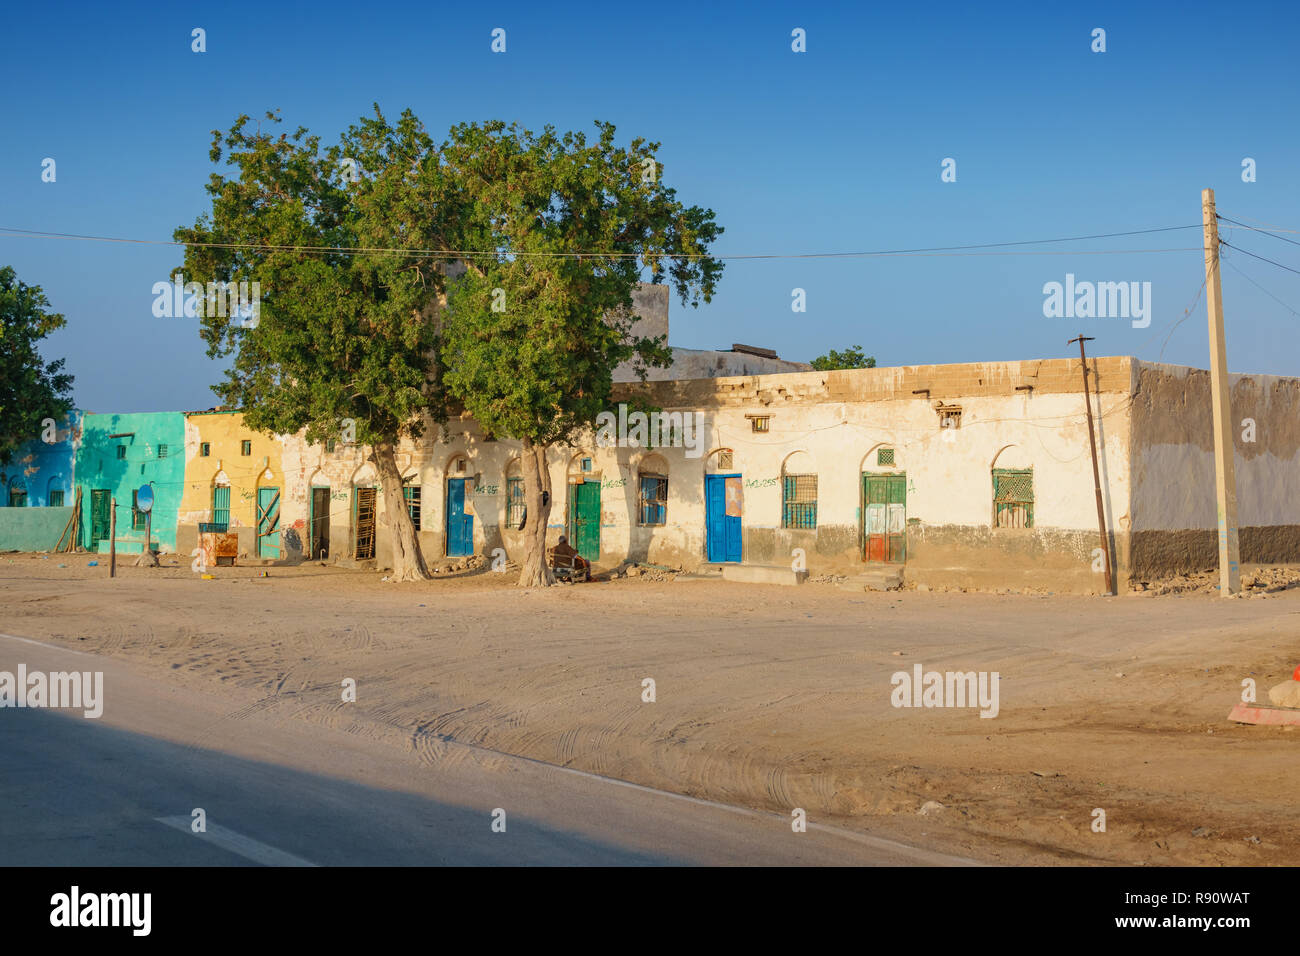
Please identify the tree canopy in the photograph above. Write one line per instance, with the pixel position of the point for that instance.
(851, 357)
(31, 389)
(536, 326)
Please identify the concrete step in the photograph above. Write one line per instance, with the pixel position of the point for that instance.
(887, 578)
(763, 574)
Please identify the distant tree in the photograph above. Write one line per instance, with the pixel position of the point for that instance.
(533, 331)
(345, 329)
(31, 389)
(851, 357)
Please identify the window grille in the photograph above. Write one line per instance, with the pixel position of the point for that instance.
(514, 502)
(885, 456)
(412, 495)
(799, 501)
(654, 499)
(1013, 497)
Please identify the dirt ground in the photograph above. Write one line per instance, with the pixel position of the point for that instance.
(766, 696)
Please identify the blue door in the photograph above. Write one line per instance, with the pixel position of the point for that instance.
(721, 531)
(460, 526)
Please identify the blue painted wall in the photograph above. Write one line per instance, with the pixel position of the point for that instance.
(39, 467)
(153, 452)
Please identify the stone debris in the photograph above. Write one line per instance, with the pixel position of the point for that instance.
(1285, 694)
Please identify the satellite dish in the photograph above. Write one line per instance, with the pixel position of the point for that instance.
(144, 498)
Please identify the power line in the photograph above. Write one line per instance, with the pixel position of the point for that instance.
(1264, 231)
(1263, 290)
(1224, 242)
(1259, 223)
(15, 233)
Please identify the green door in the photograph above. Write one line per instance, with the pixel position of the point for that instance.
(268, 522)
(584, 518)
(101, 503)
(884, 499)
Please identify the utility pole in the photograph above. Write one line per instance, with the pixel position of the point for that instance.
(1096, 475)
(1225, 473)
(112, 539)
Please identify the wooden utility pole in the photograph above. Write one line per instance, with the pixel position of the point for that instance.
(1225, 473)
(1096, 475)
(112, 538)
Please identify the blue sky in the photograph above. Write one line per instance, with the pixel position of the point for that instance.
(837, 149)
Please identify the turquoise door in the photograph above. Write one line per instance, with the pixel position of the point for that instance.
(721, 531)
(268, 522)
(460, 526)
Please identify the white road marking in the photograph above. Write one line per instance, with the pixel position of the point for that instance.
(53, 647)
(237, 843)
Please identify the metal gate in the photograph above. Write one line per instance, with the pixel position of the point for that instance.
(365, 524)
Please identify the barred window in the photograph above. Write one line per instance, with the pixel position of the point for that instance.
(884, 457)
(1013, 497)
(514, 502)
(654, 499)
(799, 501)
(205, 449)
(411, 492)
(56, 498)
(246, 447)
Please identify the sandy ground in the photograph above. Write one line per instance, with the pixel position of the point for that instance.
(766, 697)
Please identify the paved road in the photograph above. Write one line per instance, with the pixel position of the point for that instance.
(121, 789)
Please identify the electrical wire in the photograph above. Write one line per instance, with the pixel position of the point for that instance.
(1264, 231)
(1225, 242)
(15, 233)
(1262, 289)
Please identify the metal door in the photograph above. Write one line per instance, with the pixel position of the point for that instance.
(268, 522)
(884, 499)
(460, 526)
(584, 518)
(722, 532)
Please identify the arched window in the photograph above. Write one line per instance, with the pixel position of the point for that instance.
(17, 493)
(515, 495)
(1013, 489)
(799, 492)
(652, 496)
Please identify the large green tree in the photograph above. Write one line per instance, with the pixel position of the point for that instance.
(339, 241)
(564, 229)
(31, 389)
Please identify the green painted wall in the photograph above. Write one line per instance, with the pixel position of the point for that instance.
(153, 452)
(32, 529)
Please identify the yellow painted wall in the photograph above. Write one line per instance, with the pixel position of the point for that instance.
(224, 432)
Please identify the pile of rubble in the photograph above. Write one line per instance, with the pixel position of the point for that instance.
(645, 572)
(1263, 580)
(471, 562)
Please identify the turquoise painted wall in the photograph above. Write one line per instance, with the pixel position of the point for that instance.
(40, 467)
(32, 529)
(149, 449)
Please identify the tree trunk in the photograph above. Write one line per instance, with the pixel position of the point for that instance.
(537, 489)
(408, 562)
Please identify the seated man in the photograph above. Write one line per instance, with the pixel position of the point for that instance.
(567, 557)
